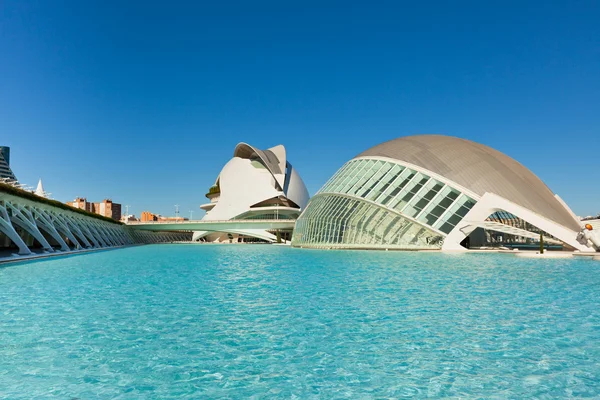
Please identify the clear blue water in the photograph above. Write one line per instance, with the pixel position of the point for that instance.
(185, 321)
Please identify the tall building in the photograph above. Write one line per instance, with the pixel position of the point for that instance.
(433, 192)
(5, 171)
(105, 208)
(108, 209)
(81, 203)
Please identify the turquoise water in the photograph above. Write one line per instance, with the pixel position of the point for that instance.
(185, 321)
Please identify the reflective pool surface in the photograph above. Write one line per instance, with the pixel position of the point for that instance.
(255, 321)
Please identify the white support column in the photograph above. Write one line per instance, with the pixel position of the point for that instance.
(97, 234)
(92, 235)
(82, 227)
(23, 218)
(102, 233)
(62, 225)
(124, 236)
(121, 234)
(63, 228)
(127, 235)
(44, 223)
(7, 228)
(115, 235)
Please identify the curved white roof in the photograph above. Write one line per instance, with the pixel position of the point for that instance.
(273, 158)
(478, 168)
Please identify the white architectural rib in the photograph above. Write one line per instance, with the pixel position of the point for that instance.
(63, 227)
(7, 228)
(44, 223)
(21, 218)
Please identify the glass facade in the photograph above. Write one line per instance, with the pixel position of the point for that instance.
(374, 203)
(333, 221)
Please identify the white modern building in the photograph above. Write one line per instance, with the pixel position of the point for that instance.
(254, 184)
(434, 192)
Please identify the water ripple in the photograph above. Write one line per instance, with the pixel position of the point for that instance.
(167, 322)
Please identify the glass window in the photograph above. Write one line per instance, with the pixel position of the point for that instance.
(361, 169)
(422, 198)
(336, 177)
(410, 190)
(455, 213)
(362, 181)
(385, 182)
(438, 205)
(349, 176)
(398, 185)
(334, 221)
(376, 179)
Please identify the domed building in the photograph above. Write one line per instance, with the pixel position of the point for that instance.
(254, 184)
(434, 192)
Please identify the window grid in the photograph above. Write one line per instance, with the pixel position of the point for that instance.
(390, 185)
(409, 191)
(341, 182)
(427, 196)
(356, 223)
(412, 177)
(335, 176)
(365, 177)
(412, 208)
(353, 177)
(375, 180)
(438, 206)
(393, 190)
(455, 214)
(386, 181)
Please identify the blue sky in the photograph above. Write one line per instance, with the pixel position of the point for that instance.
(144, 102)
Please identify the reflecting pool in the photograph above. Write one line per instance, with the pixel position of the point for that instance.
(243, 321)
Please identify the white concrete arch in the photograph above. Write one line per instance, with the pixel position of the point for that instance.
(491, 203)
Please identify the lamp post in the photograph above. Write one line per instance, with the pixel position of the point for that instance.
(176, 212)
